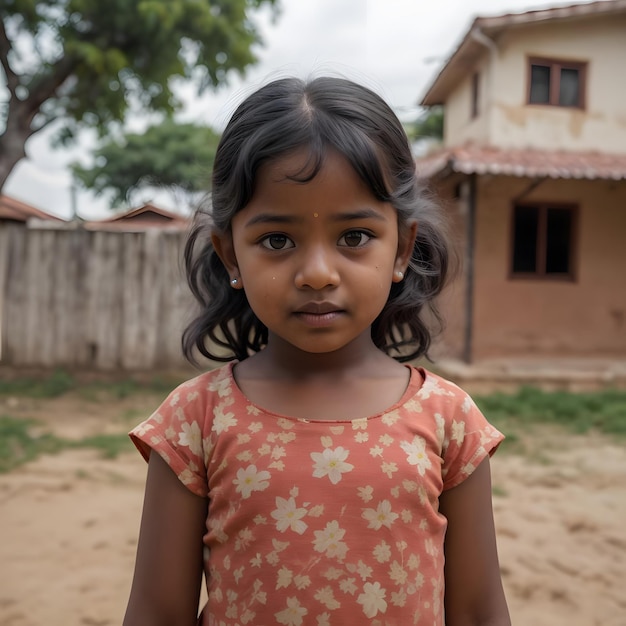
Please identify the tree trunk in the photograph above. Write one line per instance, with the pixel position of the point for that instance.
(13, 140)
(12, 151)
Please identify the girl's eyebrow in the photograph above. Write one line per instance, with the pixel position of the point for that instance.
(275, 218)
(361, 214)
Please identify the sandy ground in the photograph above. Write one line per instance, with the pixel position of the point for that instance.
(69, 525)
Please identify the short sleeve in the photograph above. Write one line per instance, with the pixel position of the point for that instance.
(175, 432)
(469, 439)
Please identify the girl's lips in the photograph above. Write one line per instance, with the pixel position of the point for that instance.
(318, 308)
(319, 319)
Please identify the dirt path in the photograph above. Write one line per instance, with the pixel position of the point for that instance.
(69, 525)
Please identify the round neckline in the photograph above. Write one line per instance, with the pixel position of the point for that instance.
(417, 377)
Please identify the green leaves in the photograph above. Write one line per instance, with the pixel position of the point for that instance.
(87, 62)
(167, 155)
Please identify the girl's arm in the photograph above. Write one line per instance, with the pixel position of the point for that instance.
(473, 591)
(168, 569)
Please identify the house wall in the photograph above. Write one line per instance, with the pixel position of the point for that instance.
(601, 126)
(459, 127)
(453, 300)
(507, 121)
(519, 317)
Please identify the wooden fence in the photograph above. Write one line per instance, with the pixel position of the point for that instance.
(75, 298)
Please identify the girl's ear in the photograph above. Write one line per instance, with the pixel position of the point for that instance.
(406, 242)
(223, 245)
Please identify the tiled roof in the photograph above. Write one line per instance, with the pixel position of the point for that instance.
(16, 211)
(528, 163)
(146, 217)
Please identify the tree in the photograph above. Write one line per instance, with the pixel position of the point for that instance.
(428, 125)
(88, 62)
(171, 155)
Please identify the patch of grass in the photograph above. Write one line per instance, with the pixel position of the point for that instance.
(599, 411)
(52, 386)
(109, 445)
(499, 492)
(61, 382)
(20, 443)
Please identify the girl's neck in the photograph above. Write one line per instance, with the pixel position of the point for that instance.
(281, 360)
(355, 382)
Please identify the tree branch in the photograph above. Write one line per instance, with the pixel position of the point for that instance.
(46, 87)
(5, 48)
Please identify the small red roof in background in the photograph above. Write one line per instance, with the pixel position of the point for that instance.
(142, 218)
(525, 163)
(16, 211)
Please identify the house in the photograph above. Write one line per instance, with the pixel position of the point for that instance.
(14, 211)
(533, 172)
(146, 217)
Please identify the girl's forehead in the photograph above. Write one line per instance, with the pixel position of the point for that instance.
(303, 165)
(299, 164)
(336, 192)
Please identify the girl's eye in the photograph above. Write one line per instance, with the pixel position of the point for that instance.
(277, 242)
(354, 239)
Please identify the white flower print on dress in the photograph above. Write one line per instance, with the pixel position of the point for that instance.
(430, 387)
(323, 619)
(381, 516)
(221, 385)
(416, 454)
(142, 429)
(287, 515)
(284, 578)
(331, 463)
(468, 403)
(329, 541)
(191, 437)
(326, 597)
(458, 432)
(373, 599)
(250, 479)
(382, 552)
(223, 421)
(366, 493)
(293, 614)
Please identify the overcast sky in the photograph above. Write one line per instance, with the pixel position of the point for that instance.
(395, 47)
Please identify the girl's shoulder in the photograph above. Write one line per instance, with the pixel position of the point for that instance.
(439, 391)
(207, 389)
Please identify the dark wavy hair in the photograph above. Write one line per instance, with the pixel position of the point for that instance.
(321, 115)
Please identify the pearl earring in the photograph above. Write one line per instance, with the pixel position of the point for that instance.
(234, 282)
(400, 275)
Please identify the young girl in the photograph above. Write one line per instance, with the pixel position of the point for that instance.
(315, 478)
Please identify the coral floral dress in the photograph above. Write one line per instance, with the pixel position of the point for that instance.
(315, 522)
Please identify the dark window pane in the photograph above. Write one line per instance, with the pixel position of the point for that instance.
(569, 88)
(539, 84)
(558, 241)
(475, 95)
(526, 223)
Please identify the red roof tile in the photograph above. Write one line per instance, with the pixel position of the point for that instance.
(146, 217)
(16, 211)
(526, 163)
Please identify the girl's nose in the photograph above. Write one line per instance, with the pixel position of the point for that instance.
(317, 269)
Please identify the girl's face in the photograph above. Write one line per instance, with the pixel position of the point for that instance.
(316, 259)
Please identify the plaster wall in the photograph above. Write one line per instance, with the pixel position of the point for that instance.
(601, 125)
(583, 317)
(506, 120)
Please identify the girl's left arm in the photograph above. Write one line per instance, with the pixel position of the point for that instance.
(473, 586)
